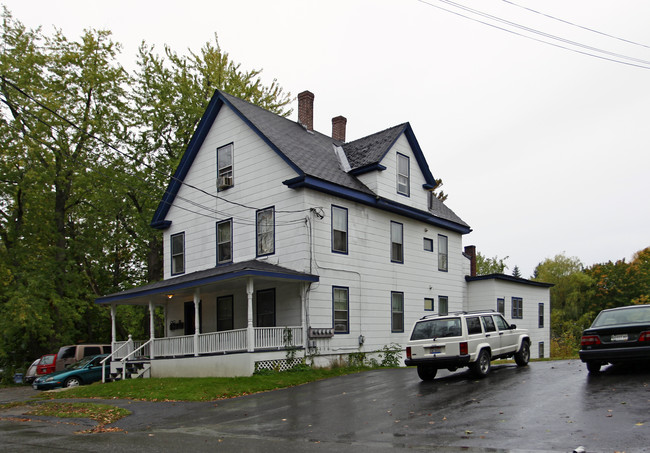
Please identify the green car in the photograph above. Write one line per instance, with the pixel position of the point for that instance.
(85, 371)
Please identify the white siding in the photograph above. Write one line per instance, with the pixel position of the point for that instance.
(384, 183)
(483, 295)
(370, 275)
(258, 176)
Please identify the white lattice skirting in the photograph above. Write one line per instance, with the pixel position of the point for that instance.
(277, 365)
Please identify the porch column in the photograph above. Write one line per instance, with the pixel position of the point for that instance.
(113, 330)
(250, 331)
(152, 329)
(197, 321)
(303, 306)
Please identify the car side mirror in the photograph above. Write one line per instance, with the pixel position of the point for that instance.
(513, 326)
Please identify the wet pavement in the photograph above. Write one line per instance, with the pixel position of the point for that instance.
(547, 406)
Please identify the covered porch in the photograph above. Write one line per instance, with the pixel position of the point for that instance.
(250, 307)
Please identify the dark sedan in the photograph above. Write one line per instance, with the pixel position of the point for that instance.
(85, 371)
(617, 335)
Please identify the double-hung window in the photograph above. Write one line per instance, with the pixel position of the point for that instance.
(541, 316)
(443, 305)
(396, 242)
(178, 253)
(517, 308)
(443, 262)
(265, 231)
(339, 229)
(341, 309)
(265, 308)
(397, 312)
(501, 305)
(403, 175)
(224, 167)
(224, 242)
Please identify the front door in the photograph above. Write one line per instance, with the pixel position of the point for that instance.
(189, 318)
(265, 308)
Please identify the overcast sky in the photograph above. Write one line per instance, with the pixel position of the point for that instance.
(542, 150)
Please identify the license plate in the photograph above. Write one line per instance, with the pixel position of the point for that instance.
(622, 337)
(435, 350)
(34, 386)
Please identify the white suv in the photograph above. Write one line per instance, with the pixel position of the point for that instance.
(463, 339)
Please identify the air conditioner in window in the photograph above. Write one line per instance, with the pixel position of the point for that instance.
(224, 181)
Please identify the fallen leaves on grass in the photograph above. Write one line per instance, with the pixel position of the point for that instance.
(103, 414)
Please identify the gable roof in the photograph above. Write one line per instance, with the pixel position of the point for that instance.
(311, 155)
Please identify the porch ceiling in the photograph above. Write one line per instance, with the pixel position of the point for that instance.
(184, 285)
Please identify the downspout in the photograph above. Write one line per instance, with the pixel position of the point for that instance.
(197, 321)
(113, 329)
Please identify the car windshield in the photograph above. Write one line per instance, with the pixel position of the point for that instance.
(436, 328)
(47, 360)
(80, 364)
(632, 315)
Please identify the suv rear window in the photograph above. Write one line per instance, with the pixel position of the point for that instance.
(473, 326)
(66, 353)
(436, 328)
(92, 350)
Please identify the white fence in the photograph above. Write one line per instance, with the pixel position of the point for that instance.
(215, 342)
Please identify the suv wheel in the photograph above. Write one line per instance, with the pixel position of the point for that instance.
(523, 355)
(481, 367)
(427, 373)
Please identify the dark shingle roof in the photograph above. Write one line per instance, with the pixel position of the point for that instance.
(312, 154)
(372, 149)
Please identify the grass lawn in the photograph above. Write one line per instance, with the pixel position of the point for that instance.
(197, 389)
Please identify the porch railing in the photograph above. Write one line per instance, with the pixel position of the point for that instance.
(277, 337)
(218, 342)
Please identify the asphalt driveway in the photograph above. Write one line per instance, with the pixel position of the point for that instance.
(547, 406)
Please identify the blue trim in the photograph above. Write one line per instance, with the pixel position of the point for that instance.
(367, 169)
(193, 148)
(257, 224)
(419, 155)
(310, 182)
(205, 281)
(346, 230)
(347, 294)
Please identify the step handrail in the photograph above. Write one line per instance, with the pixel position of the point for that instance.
(130, 354)
(129, 341)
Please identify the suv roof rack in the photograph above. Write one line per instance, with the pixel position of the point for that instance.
(456, 313)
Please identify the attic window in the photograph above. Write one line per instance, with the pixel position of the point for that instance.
(403, 174)
(224, 167)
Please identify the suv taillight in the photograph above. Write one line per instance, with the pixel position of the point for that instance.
(463, 348)
(590, 340)
(645, 336)
(408, 352)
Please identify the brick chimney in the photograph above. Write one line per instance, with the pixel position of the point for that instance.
(306, 109)
(470, 252)
(338, 128)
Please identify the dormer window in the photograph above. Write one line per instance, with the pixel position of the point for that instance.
(403, 174)
(224, 167)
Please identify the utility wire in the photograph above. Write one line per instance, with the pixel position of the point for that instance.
(514, 32)
(125, 154)
(575, 25)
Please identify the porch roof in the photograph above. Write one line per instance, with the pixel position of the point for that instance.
(186, 283)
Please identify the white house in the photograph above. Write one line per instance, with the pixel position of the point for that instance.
(282, 242)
